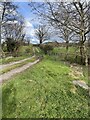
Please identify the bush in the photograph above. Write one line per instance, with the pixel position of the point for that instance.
(46, 48)
(4, 47)
(12, 45)
(27, 50)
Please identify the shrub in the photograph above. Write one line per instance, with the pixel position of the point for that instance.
(27, 50)
(12, 45)
(46, 48)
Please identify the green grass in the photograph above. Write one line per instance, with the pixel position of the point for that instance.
(84, 68)
(45, 90)
(73, 54)
(16, 65)
(13, 59)
(71, 50)
(23, 52)
(85, 73)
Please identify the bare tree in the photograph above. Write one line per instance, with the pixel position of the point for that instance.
(7, 13)
(69, 16)
(13, 35)
(82, 25)
(11, 24)
(14, 31)
(42, 33)
(76, 21)
(57, 16)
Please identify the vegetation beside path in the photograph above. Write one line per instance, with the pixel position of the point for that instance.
(12, 59)
(46, 91)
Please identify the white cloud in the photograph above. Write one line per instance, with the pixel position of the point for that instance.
(12, 22)
(29, 29)
(33, 40)
(28, 24)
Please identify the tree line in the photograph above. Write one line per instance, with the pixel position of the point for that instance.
(69, 19)
(11, 26)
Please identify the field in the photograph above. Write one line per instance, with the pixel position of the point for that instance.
(72, 55)
(45, 90)
(71, 49)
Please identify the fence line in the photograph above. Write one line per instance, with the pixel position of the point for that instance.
(71, 57)
(67, 54)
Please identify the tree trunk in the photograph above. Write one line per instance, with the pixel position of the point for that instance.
(81, 53)
(86, 56)
(67, 42)
(0, 36)
(40, 41)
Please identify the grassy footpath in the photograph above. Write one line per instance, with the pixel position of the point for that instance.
(16, 65)
(45, 90)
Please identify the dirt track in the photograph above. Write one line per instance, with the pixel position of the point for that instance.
(13, 63)
(9, 74)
